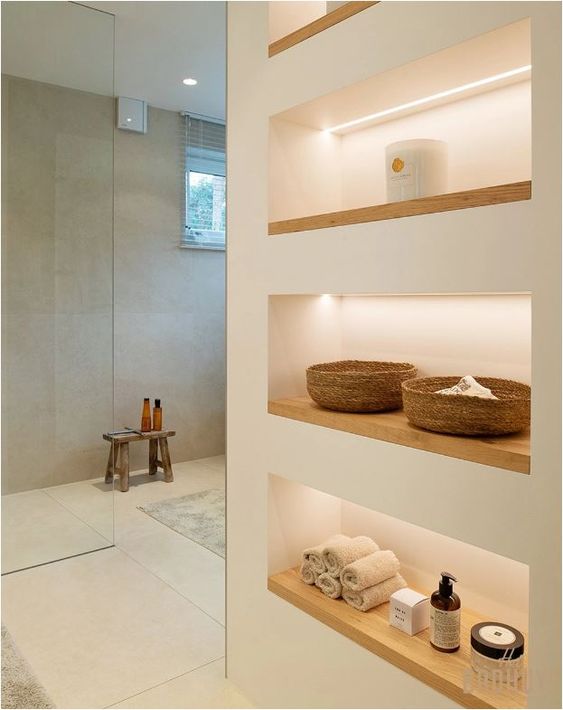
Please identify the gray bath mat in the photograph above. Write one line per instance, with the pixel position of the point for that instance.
(20, 688)
(199, 517)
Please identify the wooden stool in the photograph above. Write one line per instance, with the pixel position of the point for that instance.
(118, 461)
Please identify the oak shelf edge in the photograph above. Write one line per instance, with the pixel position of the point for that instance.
(319, 25)
(481, 197)
(446, 673)
(510, 452)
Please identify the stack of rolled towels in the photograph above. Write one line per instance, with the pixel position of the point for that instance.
(354, 569)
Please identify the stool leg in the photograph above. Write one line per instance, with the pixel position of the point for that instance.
(112, 460)
(166, 465)
(153, 456)
(124, 466)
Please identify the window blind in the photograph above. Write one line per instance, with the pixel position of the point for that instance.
(205, 146)
(204, 183)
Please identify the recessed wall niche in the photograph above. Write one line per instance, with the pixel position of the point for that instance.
(441, 334)
(476, 96)
(494, 587)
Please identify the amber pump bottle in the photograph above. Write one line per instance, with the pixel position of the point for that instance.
(146, 416)
(445, 616)
(157, 416)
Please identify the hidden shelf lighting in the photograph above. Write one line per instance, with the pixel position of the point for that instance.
(431, 99)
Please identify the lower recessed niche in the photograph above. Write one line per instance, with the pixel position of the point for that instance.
(493, 587)
(441, 334)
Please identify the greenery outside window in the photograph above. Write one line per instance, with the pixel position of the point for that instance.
(204, 184)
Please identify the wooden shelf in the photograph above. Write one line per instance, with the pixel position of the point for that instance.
(511, 452)
(496, 195)
(412, 654)
(319, 25)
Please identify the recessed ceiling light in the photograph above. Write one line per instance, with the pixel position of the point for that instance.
(189, 81)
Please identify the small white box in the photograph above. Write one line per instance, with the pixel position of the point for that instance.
(132, 115)
(409, 611)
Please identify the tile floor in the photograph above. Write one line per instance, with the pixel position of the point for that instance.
(139, 625)
(36, 529)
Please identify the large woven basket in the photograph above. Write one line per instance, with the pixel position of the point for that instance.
(358, 385)
(460, 414)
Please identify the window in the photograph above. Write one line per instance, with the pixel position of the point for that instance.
(204, 184)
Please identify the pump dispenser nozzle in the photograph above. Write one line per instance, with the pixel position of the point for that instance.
(446, 586)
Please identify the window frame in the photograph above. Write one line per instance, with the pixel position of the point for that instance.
(213, 166)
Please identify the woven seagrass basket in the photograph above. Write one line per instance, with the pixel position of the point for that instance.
(460, 414)
(358, 385)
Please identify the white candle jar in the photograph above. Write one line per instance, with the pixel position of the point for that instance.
(416, 168)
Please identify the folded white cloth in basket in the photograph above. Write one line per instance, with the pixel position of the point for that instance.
(329, 585)
(370, 570)
(470, 387)
(307, 573)
(366, 599)
(314, 555)
(339, 554)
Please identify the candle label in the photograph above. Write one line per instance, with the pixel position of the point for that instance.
(402, 173)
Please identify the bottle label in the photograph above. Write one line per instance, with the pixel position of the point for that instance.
(444, 627)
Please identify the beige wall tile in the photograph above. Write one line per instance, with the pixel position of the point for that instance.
(57, 268)
(59, 261)
(169, 302)
(28, 424)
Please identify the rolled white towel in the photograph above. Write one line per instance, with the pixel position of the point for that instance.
(329, 585)
(339, 554)
(366, 599)
(314, 555)
(469, 387)
(308, 574)
(370, 570)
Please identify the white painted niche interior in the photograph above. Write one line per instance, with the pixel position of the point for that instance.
(299, 516)
(286, 17)
(313, 170)
(441, 334)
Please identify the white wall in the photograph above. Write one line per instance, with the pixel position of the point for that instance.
(488, 139)
(488, 335)
(492, 585)
(464, 334)
(313, 171)
(279, 655)
(286, 17)
(302, 330)
(305, 171)
(300, 516)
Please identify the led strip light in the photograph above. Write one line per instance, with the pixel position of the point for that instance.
(430, 99)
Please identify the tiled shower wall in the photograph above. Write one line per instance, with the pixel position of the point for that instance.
(58, 265)
(169, 302)
(56, 283)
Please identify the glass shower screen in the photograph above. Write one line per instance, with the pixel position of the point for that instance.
(57, 280)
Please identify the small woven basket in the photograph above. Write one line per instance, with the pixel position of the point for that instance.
(461, 414)
(358, 385)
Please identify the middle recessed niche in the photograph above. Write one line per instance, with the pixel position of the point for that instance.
(484, 335)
